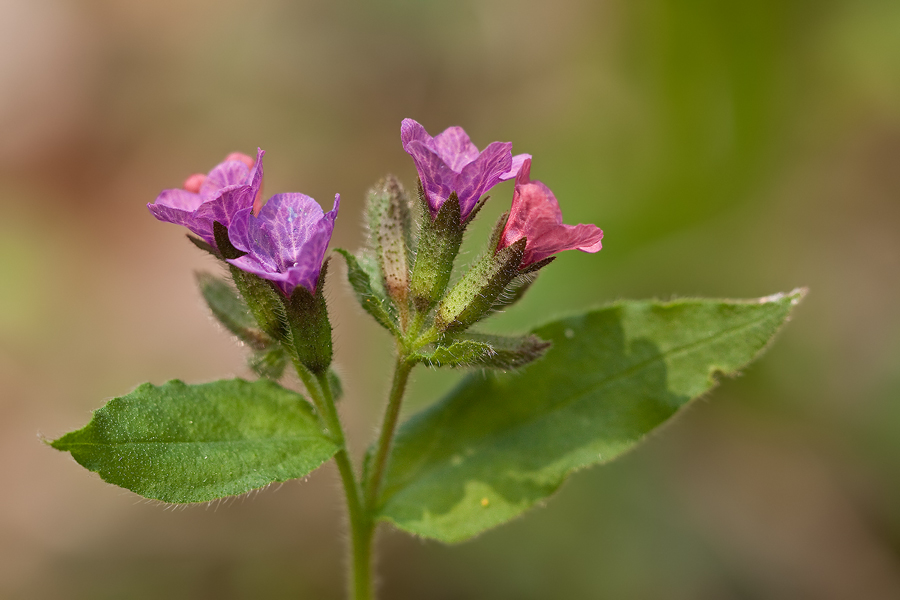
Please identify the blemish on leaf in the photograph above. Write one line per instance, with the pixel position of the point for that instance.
(485, 502)
(569, 333)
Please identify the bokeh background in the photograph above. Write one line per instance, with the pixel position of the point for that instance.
(726, 148)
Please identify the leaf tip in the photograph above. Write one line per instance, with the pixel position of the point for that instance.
(57, 444)
(46, 441)
(794, 296)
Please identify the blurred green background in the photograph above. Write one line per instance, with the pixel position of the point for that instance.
(726, 148)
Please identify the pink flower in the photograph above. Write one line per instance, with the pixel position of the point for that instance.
(535, 215)
(232, 185)
(449, 162)
(286, 243)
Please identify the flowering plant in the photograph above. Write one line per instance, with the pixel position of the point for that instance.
(535, 407)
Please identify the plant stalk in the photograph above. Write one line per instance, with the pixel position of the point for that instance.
(361, 525)
(391, 415)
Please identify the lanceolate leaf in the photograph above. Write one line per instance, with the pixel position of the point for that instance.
(195, 443)
(231, 310)
(499, 443)
(370, 297)
(269, 363)
(480, 350)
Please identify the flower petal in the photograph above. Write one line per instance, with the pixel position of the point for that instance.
(517, 161)
(482, 174)
(179, 199)
(228, 201)
(224, 175)
(437, 179)
(536, 216)
(411, 130)
(287, 242)
(455, 148)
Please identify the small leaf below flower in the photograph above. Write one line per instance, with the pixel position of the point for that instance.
(479, 350)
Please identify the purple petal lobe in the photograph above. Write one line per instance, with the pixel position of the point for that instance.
(482, 174)
(411, 130)
(455, 148)
(517, 161)
(224, 175)
(180, 199)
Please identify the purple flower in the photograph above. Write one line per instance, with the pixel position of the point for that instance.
(286, 242)
(535, 215)
(232, 185)
(449, 162)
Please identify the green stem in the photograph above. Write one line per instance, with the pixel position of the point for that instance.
(361, 526)
(391, 415)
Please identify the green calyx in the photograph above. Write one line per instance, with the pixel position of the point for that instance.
(402, 281)
(475, 294)
(310, 329)
(264, 302)
(439, 243)
(276, 328)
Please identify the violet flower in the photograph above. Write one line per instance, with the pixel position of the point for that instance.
(231, 186)
(535, 215)
(286, 242)
(449, 162)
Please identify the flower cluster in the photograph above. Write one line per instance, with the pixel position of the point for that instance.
(283, 241)
(449, 162)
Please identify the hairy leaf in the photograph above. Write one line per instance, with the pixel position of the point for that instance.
(480, 350)
(231, 310)
(499, 443)
(194, 443)
(269, 363)
(370, 297)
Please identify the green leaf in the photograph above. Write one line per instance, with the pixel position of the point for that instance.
(194, 443)
(203, 245)
(499, 443)
(231, 311)
(337, 388)
(269, 363)
(369, 297)
(480, 350)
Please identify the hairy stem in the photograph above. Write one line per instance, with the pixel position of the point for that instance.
(361, 525)
(391, 415)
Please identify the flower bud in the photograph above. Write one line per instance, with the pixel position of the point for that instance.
(390, 224)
